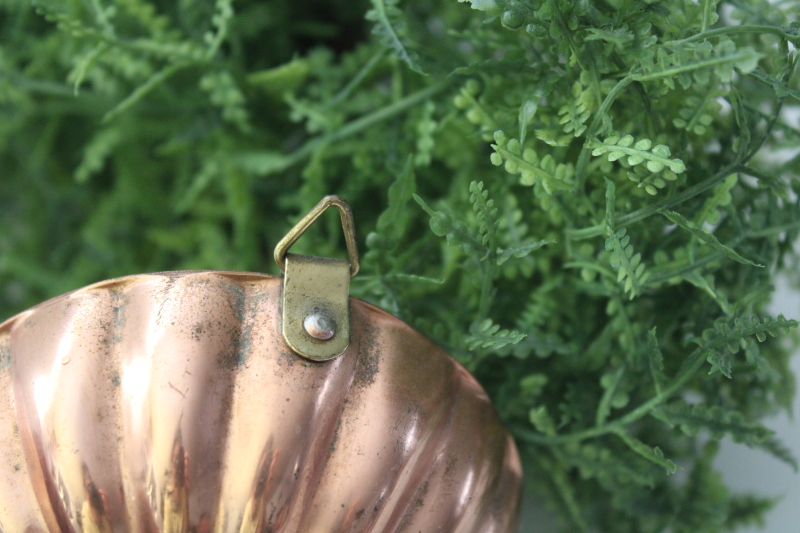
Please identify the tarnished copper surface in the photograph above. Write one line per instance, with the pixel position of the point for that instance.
(171, 403)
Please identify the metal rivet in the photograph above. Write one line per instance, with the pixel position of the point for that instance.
(319, 326)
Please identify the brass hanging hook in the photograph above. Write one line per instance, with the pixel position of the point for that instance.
(315, 316)
(347, 225)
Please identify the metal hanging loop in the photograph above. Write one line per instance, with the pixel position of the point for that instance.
(315, 314)
(347, 225)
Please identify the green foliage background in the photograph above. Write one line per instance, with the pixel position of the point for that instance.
(578, 199)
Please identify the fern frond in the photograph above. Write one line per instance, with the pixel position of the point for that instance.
(617, 147)
(493, 7)
(656, 361)
(654, 455)
(720, 422)
(720, 197)
(393, 221)
(651, 182)
(426, 126)
(699, 112)
(455, 231)
(487, 334)
(391, 27)
(220, 22)
(225, 93)
(728, 336)
(575, 112)
(520, 251)
(599, 462)
(484, 208)
(467, 99)
(541, 420)
(628, 265)
(553, 176)
(704, 236)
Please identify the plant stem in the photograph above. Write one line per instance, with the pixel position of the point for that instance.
(691, 192)
(361, 123)
(735, 30)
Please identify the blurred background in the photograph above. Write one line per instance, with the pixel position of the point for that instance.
(745, 469)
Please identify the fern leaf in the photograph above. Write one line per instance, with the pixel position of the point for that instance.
(486, 213)
(541, 420)
(97, 151)
(651, 182)
(628, 265)
(526, 112)
(220, 22)
(705, 237)
(455, 231)
(489, 6)
(656, 361)
(699, 112)
(720, 422)
(391, 27)
(617, 147)
(520, 251)
(706, 283)
(654, 455)
(781, 452)
(576, 111)
(225, 94)
(612, 397)
(425, 127)
(466, 99)
(727, 336)
(144, 89)
(720, 197)
(393, 221)
(486, 334)
(619, 37)
(553, 176)
(599, 462)
(781, 90)
(716, 420)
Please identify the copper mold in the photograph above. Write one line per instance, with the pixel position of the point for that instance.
(170, 403)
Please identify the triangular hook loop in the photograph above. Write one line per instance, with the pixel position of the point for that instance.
(347, 225)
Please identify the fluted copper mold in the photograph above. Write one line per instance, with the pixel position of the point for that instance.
(171, 403)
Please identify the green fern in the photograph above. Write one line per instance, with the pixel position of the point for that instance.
(705, 237)
(553, 176)
(467, 99)
(617, 147)
(486, 213)
(719, 422)
(488, 335)
(225, 94)
(654, 455)
(651, 182)
(520, 251)
(576, 111)
(729, 336)
(699, 112)
(628, 265)
(97, 152)
(392, 223)
(390, 26)
(720, 197)
(455, 231)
